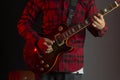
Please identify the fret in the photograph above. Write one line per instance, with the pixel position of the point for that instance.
(109, 8)
(66, 34)
(69, 32)
(79, 26)
(102, 11)
(76, 28)
(115, 4)
(86, 22)
(73, 30)
(83, 24)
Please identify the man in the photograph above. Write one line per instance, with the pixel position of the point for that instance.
(54, 13)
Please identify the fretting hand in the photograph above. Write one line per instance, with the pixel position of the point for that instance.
(98, 21)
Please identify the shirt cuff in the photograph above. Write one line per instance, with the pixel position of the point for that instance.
(102, 31)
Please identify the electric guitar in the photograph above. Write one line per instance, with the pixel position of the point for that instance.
(45, 63)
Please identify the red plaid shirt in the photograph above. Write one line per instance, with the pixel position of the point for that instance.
(54, 13)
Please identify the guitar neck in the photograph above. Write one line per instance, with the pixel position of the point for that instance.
(110, 8)
(76, 28)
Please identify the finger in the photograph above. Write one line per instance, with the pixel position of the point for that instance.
(100, 15)
(48, 46)
(96, 24)
(97, 19)
(45, 43)
(50, 42)
(49, 50)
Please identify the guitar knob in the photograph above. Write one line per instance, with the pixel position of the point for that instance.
(42, 62)
(60, 28)
(41, 69)
(47, 65)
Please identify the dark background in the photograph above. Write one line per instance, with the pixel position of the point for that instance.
(12, 43)
(102, 55)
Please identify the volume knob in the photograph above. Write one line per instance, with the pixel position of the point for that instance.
(41, 69)
(42, 61)
(47, 65)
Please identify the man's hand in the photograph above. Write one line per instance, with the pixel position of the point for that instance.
(45, 45)
(99, 21)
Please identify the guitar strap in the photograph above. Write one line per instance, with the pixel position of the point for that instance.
(71, 9)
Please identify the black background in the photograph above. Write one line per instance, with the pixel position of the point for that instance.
(12, 43)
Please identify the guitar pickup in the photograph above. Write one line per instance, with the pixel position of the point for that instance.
(59, 39)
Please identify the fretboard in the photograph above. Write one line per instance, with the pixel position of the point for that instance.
(76, 28)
